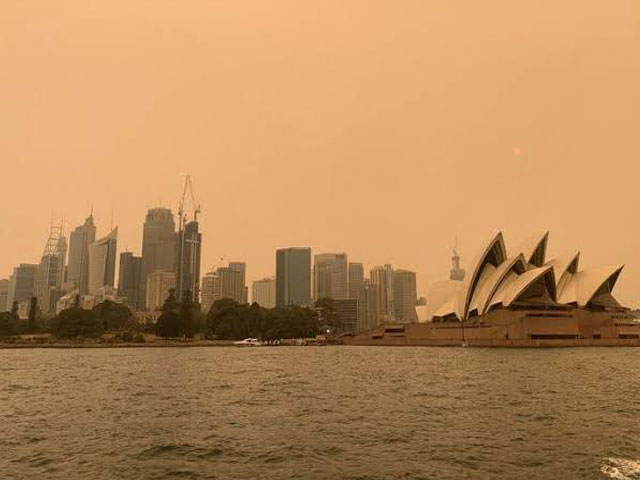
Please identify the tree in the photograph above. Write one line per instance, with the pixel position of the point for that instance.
(76, 322)
(189, 315)
(178, 319)
(115, 316)
(228, 320)
(32, 320)
(14, 311)
(8, 325)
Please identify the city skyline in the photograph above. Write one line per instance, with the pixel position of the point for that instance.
(387, 139)
(252, 274)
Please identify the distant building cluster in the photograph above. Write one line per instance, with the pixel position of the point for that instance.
(83, 273)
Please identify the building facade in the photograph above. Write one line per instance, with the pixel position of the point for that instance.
(293, 276)
(356, 285)
(159, 284)
(188, 255)
(382, 280)
(158, 245)
(102, 262)
(330, 276)
(224, 282)
(369, 316)
(405, 296)
(21, 284)
(346, 309)
(242, 268)
(49, 278)
(211, 291)
(129, 280)
(263, 292)
(4, 293)
(457, 273)
(78, 268)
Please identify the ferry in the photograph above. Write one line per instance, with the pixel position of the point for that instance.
(248, 342)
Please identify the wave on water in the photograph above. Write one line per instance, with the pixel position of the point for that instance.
(621, 469)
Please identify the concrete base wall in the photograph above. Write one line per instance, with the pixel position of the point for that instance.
(509, 328)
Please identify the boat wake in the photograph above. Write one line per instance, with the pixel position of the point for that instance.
(621, 469)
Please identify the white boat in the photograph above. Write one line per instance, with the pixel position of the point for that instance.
(248, 342)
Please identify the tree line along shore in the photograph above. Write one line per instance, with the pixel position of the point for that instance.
(181, 323)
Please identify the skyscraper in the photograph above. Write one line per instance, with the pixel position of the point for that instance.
(78, 269)
(4, 293)
(356, 279)
(224, 282)
(159, 284)
(382, 279)
(356, 285)
(242, 268)
(346, 310)
(188, 251)
(369, 317)
(129, 280)
(50, 272)
(293, 276)
(456, 273)
(21, 284)
(405, 296)
(211, 291)
(330, 276)
(158, 245)
(263, 292)
(102, 262)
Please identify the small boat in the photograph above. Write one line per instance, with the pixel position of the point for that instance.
(248, 342)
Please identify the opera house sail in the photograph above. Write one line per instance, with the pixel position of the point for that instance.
(520, 298)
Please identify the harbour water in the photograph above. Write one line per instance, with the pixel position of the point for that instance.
(320, 413)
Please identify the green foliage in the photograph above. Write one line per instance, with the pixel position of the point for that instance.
(115, 316)
(76, 322)
(8, 325)
(34, 314)
(14, 311)
(228, 320)
(179, 319)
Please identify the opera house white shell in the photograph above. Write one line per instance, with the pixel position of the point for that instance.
(524, 279)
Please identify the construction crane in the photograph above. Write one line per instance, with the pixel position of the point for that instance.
(194, 242)
(188, 187)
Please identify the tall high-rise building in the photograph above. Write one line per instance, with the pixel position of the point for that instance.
(21, 284)
(356, 284)
(263, 292)
(293, 276)
(224, 282)
(456, 273)
(102, 262)
(4, 293)
(159, 284)
(129, 280)
(405, 296)
(382, 278)
(50, 272)
(369, 317)
(330, 276)
(158, 245)
(211, 291)
(346, 309)
(188, 253)
(356, 279)
(242, 268)
(78, 268)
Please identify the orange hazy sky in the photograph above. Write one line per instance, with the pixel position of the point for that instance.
(383, 129)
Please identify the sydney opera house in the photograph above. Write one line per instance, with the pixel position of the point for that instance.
(519, 298)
